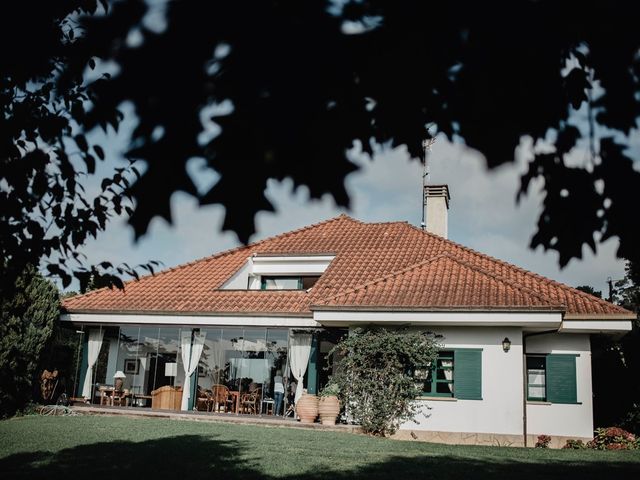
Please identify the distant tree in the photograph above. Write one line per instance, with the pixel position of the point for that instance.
(590, 290)
(282, 89)
(26, 323)
(616, 363)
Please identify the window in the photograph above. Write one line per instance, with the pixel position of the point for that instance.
(287, 283)
(456, 374)
(437, 380)
(552, 378)
(536, 378)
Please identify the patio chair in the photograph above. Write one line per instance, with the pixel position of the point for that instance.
(120, 398)
(250, 402)
(204, 400)
(220, 398)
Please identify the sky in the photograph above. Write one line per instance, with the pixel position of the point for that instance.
(483, 212)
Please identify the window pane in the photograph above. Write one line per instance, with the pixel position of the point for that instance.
(536, 377)
(536, 392)
(308, 282)
(281, 283)
(537, 363)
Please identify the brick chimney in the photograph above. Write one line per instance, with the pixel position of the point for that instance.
(436, 206)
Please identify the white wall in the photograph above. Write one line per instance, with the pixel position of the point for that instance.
(561, 419)
(437, 216)
(500, 410)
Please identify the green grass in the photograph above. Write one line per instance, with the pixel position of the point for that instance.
(91, 447)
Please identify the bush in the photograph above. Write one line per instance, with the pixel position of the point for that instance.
(543, 441)
(330, 389)
(373, 375)
(613, 438)
(575, 445)
(27, 313)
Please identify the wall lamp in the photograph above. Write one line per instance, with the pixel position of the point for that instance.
(506, 344)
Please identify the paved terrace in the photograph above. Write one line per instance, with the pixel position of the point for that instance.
(265, 420)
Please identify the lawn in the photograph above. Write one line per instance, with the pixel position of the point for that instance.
(120, 448)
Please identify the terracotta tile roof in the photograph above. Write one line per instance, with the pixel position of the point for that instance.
(375, 264)
(441, 282)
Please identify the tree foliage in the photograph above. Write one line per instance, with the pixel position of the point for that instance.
(275, 89)
(26, 324)
(373, 375)
(616, 363)
(45, 212)
(590, 290)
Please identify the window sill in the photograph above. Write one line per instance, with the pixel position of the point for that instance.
(534, 402)
(438, 399)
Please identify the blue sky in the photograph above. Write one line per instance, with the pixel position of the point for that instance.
(483, 213)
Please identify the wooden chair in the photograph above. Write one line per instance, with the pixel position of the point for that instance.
(250, 402)
(204, 400)
(220, 398)
(120, 398)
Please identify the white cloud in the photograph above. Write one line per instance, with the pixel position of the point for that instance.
(483, 215)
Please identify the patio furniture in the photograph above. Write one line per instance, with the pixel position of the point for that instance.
(220, 398)
(204, 400)
(267, 406)
(250, 402)
(234, 400)
(166, 398)
(120, 398)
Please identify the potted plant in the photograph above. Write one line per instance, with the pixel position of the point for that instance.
(329, 405)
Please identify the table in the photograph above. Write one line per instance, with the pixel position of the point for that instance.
(236, 395)
(107, 396)
(267, 405)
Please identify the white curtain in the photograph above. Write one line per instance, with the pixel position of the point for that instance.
(190, 359)
(93, 350)
(448, 372)
(216, 361)
(299, 351)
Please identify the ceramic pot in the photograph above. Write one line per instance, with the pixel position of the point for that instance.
(307, 408)
(328, 408)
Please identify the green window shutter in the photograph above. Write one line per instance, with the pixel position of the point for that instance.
(467, 374)
(561, 379)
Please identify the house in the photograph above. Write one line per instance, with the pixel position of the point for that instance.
(515, 362)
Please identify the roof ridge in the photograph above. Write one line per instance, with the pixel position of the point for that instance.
(503, 279)
(395, 273)
(342, 216)
(524, 271)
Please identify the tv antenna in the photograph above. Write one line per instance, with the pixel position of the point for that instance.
(426, 149)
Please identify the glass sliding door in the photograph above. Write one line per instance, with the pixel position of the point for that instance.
(104, 368)
(277, 343)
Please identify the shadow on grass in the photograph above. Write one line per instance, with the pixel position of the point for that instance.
(196, 457)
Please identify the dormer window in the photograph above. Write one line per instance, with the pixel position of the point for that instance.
(287, 283)
(279, 272)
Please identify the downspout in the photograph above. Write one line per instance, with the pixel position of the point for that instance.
(524, 376)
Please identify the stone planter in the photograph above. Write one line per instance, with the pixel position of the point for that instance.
(307, 408)
(328, 408)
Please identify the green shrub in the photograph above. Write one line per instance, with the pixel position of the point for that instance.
(574, 445)
(373, 375)
(613, 438)
(27, 313)
(330, 389)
